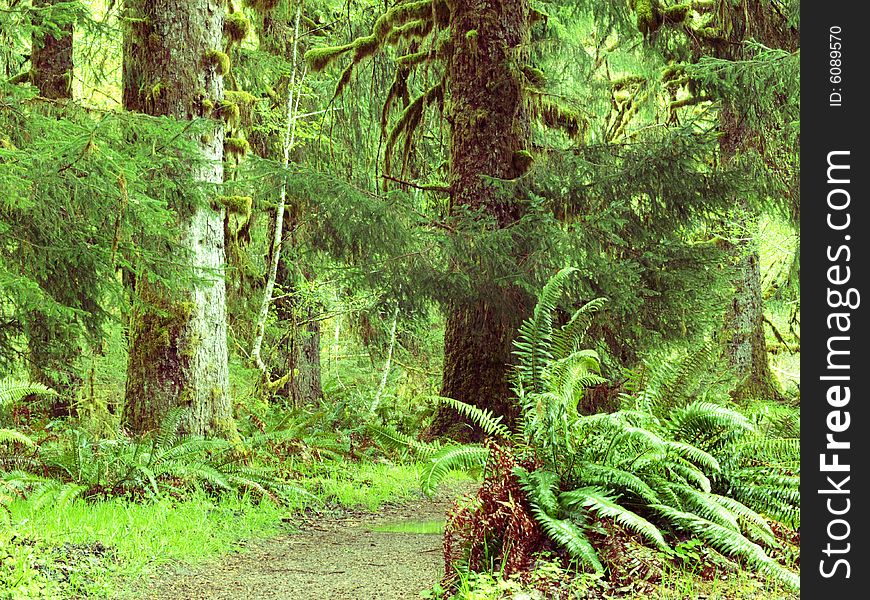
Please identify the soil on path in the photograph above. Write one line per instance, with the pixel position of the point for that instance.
(334, 558)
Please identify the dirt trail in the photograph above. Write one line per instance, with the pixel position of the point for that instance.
(342, 558)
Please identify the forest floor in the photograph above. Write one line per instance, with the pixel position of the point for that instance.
(390, 555)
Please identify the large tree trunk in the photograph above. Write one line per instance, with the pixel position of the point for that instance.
(178, 346)
(51, 57)
(489, 133)
(53, 346)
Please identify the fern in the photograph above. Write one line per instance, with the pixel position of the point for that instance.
(570, 537)
(12, 391)
(729, 542)
(451, 458)
(600, 502)
(481, 417)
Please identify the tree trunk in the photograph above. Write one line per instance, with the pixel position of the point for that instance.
(489, 123)
(178, 346)
(746, 345)
(745, 342)
(301, 350)
(51, 57)
(53, 346)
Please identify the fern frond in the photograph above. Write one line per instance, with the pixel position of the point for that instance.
(540, 486)
(747, 515)
(482, 417)
(596, 474)
(567, 338)
(14, 436)
(391, 438)
(601, 503)
(707, 425)
(534, 339)
(167, 434)
(450, 458)
(729, 542)
(694, 454)
(12, 390)
(570, 537)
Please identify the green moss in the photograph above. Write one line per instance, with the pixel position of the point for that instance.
(236, 27)
(401, 14)
(522, 161)
(236, 205)
(227, 111)
(471, 34)
(240, 98)
(207, 105)
(559, 116)
(535, 76)
(676, 14)
(234, 146)
(262, 6)
(217, 59)
(419, 28)
(647, 16)
(416, 58)
(320, 58)
(156, 90)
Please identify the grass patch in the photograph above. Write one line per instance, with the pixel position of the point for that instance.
(420, 527)
(97, 549)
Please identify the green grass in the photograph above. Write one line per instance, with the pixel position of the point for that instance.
(421, 527)
(367, 486)
(96, 549)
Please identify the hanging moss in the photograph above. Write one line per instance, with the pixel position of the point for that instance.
(535, 77)
(236, 205)
(400, 14)
(675, 14)
(262, 6)
(320, 58)
(559, 116)
(409, 60)
(219, 60)
(416, 29)
(235, 146)
(522, 162)
(408, 122)
(236, 27)
(228, 112)
(648, 19)
(536, 15)
(240, 97)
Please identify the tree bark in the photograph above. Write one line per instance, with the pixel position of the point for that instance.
(301, 350)
(178, 346)
(51, 57)
(489, 123)
(746, 345)
(53, 346)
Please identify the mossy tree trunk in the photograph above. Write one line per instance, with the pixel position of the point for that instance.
(178, 341)
(298, 356)
(53, 345)
(745, 342)
(489, 122)
(300, 346)
(51, 56)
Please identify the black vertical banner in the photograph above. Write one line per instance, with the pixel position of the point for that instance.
(835, 299)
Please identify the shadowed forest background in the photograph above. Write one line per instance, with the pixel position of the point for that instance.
(518, 275)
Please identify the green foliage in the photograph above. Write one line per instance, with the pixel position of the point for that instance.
(651, 472)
